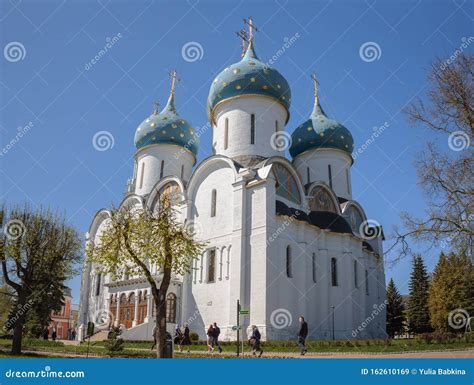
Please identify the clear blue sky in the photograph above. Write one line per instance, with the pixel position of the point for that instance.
(54, 163)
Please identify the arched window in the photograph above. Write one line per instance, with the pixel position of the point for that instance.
(355, 218)
(333, 271)
(226, 134)
(285, 184)
(315, 270)
(308, 177)
(276, 125)
(356, 274)
(289, 272)
(141, 174)
(171, 308)
(321, 200)
(211, 266)
(213, 202)
(182, 171)
(252, 129)
(348, 182)
(97, 287)
(162, 167)
(170, 191)
(330, 175)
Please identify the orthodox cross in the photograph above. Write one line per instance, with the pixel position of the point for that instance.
(174, 80)
(252, 28)
(243, 36)
(316, 85)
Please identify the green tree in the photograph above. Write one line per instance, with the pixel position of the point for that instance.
(395, 310)
(452, 288)
(114, 343)
(417, 308)
(38, 252)
(6, 303)
(136, 239)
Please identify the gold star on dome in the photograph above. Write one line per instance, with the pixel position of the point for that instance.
(163, 132)
(174, 125)
(321, 134)
(153, 125)
(342, 137)
(181, 135)
(252, 80)
(265, 87)
(309, 128)
(236, 70)
(238, 87)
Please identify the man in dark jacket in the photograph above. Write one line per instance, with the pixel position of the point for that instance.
(215, 334)
(303, 333)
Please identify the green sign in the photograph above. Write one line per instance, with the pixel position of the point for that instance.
(244, 312)
(236, 327)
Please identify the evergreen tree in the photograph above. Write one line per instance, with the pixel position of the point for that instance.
(395, 310)
(451, 297)
(417, 309)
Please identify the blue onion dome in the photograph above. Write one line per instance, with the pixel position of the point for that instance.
(167, 127)
(250, 76)
(319, 131)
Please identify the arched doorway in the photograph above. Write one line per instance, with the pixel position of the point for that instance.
(127, 310)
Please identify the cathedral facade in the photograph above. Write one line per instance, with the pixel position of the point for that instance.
(284, 236)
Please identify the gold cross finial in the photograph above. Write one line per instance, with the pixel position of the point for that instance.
(174, 79)
(316, 84)
(243, 36)
(252, 28)
(156, 108)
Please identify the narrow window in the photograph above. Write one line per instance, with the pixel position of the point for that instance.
(252, 129)
(330, 175)
(367, 282)
(334, 271)
(307, 175)
(226, 134)
(162, 166)
(141, 174)
(211, 269)
(97, 287)
(182, 171)
(213, 203)
(289, 272)
(347, 181)
(356, 278)
(276, 125)
(314, 268)
(171, 308)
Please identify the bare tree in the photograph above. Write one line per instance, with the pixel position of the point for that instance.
(447, 178)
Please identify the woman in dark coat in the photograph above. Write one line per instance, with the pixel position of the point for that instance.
(210, 339)
(186, 338)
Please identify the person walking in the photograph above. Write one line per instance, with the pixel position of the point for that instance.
(210, 339)
(178, 338)
(186, 337)
(302, 334)
(255, 341)
(217, 331)
(54, 334)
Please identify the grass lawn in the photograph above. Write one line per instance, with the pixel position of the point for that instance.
(141, 349)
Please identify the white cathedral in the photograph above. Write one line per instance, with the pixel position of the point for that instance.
(283, 236)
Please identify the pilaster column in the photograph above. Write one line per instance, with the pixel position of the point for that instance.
(135, 318)
(117, 313)
(107, 309)
(149, 304)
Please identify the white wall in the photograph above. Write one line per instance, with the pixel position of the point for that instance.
(318, 160)
(174, 158)
(238, 112)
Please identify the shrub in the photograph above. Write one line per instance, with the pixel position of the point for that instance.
(469, 337)
(114, 344)
(194, 336)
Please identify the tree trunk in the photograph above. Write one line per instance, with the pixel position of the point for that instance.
(161, 306)
(17, 336)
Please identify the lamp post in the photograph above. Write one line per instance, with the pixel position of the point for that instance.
(332, 308)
